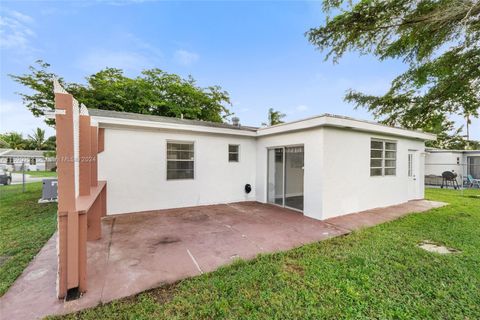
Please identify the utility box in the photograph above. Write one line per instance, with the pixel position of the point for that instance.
(49, 190)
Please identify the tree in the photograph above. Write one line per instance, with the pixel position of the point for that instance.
(274, 117)
(51, 143)
(13, 140)
(37, 140)
(440, 42)
(153, 92)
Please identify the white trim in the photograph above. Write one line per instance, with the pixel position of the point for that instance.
(343, 122)
(171, 126)
(309, 123)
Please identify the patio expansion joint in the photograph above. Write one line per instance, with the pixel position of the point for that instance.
(195, 261)
(108, 257)
(238, 231)
(347, 231)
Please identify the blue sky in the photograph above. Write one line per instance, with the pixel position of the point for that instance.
(257, 51)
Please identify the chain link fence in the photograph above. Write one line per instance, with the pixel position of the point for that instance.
(24, 170)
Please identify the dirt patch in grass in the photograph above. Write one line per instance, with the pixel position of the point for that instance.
(3, 259)
(436, 247)
(291, 267)
(164, 294)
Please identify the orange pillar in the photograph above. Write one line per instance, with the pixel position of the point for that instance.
(101, 139)
(104, 201)
(85, 164)
(94, 153)
(67, 217)
(82, 252)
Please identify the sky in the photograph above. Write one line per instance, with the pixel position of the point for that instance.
(257, 51)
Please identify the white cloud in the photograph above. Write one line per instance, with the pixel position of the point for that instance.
(133, 56)
(185, 58)
(301, 108)
(14, 116)
(15, 30)
(97, 59)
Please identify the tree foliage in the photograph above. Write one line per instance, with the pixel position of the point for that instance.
(154, 92)
(13, 140)
(35, 141)
(440, 42)
(274, 117)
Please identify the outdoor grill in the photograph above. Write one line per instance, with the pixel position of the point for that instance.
(449, 178)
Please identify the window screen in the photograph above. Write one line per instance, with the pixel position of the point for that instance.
(233, 152)
(383, 158)
(180, 160)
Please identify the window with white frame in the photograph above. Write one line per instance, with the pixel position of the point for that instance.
(180, 160)
(9, 160)
(383, 155)
(33, 161)
(233, 152)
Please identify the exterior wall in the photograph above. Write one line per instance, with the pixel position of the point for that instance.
(313, 166)
(348, 186)
(438, 162)
(134, 165)
(17, 164)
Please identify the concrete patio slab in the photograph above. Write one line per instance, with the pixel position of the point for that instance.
(369, 218)
(145, 250)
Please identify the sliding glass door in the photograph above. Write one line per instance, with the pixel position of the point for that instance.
(285, 177)
(275, 176)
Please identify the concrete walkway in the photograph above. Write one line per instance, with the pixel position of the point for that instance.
(145, 250)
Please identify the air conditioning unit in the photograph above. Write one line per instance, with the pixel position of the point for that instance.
(49, 191)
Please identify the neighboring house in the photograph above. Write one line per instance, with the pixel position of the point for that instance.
(463, 162)
(34, 160)
(323, 166)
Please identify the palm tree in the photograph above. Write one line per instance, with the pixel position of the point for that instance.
(274, 117)
(13, 140)
(37, 140)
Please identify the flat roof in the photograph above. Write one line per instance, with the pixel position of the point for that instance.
(107, 118)
(22, 153)
(153, 118)
(434, 150)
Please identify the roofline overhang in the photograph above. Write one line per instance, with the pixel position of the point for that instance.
(299, 125)
(451, 151)
(344, 123)
(121, 122)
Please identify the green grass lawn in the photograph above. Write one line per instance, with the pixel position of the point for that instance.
(25, 226)
(373, 273)
(46, 174)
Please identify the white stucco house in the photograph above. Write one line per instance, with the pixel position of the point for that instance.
(323, 166)
(464, 162)
(33, 160)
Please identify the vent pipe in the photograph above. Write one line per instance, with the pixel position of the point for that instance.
(236, 121)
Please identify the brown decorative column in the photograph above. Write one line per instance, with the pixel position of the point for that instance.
(81, 197)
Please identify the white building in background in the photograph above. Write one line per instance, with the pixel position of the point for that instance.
(323, 166)
(34, 160)
(464, 162)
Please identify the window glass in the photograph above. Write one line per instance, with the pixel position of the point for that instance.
(383, 156)
(233, 152)
(180, 160)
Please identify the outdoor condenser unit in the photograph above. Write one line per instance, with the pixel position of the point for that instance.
(49, 190)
